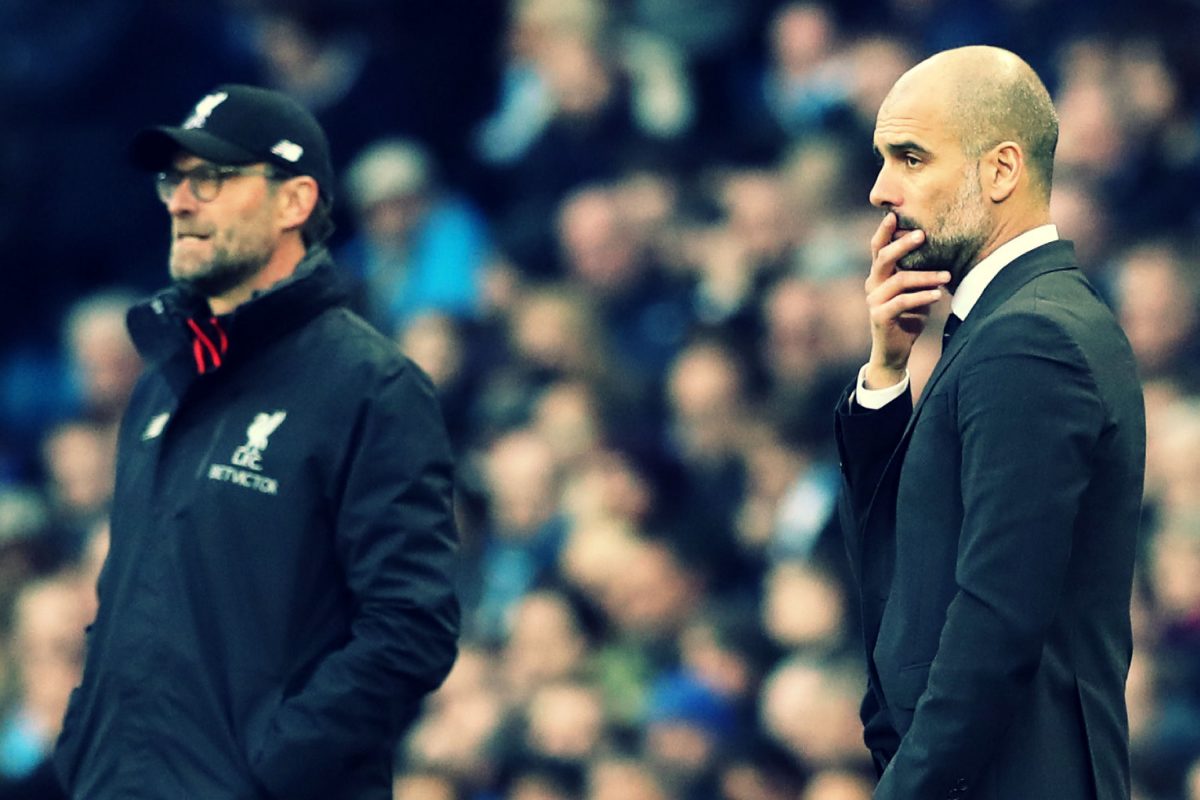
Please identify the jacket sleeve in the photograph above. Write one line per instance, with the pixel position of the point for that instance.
(866, 440)
(1029, 416)
(396, 539)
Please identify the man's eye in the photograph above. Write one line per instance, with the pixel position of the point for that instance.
(911, 161)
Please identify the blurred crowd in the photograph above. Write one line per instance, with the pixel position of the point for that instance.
(627, 239)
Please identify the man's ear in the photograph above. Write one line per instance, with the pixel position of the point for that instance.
(1003, 168)
(297, 197)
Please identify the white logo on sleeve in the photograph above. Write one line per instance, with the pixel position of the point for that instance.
(155, 427)
(249, 456)
(204, 110)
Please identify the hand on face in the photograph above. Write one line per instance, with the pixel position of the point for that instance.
(898, 300)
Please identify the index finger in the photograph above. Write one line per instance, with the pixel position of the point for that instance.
(883, 234)
(887, 259)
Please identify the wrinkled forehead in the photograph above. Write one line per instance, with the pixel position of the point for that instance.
(916, 107)
(922, 93)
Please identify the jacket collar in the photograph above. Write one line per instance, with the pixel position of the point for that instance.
(977, 279)
(159, 326)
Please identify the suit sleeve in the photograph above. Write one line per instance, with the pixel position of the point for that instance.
(1029, 416)
(866, 440)
(396, 538)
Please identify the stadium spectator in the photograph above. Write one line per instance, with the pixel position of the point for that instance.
(419, 248)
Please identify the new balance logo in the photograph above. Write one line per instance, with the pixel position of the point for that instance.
(288, 150)
(155, 427)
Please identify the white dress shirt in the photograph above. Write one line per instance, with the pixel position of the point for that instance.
(961, 303)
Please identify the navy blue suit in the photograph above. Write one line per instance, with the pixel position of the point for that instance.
(991, 531)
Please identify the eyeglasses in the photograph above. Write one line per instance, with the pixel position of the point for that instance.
(205, 181)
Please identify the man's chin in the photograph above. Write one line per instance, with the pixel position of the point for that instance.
(185, 272)
(909, 264)
(213, 279)
(929, 259)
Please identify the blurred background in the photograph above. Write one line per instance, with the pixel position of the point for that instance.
(627, 239)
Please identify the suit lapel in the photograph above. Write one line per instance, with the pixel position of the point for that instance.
(1047, 258)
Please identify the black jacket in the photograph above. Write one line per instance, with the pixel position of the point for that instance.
(278, 594)
(992, 529)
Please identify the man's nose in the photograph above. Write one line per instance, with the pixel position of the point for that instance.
(884, 193)
(182, 200)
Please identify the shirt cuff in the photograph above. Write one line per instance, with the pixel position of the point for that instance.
(873, 399)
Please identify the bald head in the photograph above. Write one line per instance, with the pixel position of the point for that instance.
(990, 95)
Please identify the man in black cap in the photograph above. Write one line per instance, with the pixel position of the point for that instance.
(278, 595)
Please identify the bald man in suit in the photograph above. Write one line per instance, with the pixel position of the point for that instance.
(992, 527)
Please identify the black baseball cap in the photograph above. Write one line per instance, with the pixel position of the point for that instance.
(234, 125)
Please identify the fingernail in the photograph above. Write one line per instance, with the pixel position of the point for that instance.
(917, 234)
(945, 276)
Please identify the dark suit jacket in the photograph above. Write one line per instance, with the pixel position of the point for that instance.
(991, 531)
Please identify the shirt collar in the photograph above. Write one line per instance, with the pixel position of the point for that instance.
(975, 281)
